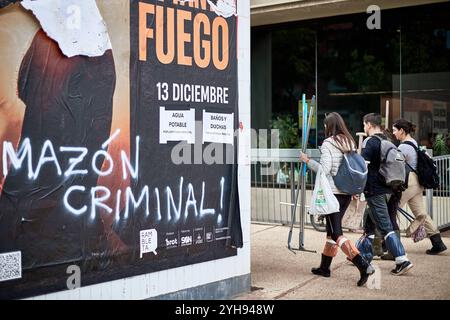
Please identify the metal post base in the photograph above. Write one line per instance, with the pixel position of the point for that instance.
(301, 248)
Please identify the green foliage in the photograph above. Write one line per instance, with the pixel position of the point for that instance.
(440, 147)
(288, 129)
(365, 72)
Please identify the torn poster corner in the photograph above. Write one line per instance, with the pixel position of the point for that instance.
(5, 3)
(224, 8)
(76, 25)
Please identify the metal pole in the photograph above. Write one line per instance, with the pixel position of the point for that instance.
(401, 86)
(303, 172)
(292, 178)
(267, 194)
(317, 96)
(254, 192)
(387, 115)
(259, 190)
(303, 198)
(273, 196)
(302, 179)
(286, 195)
(279, 193)
(429, 195)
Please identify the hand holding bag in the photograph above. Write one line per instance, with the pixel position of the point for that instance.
(416, 229)
(323, 200)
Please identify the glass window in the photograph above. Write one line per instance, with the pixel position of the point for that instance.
(404, 68)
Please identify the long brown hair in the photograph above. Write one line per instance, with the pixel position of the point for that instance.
(335, 127)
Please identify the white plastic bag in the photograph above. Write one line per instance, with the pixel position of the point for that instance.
(281, 177)
(323, 200)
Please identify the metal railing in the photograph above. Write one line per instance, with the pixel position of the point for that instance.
(274, 180)
(438, 203)
(275, 175)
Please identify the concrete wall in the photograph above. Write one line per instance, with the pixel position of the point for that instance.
(218, 279)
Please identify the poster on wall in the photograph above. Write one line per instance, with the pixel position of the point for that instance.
(105, 170)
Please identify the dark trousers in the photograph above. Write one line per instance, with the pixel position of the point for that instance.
(379, 219)
(393, 204)
(334, 220)
(378, 215)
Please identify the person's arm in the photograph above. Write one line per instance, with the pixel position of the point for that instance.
(325, 162)
(367, 151)
(408, 151)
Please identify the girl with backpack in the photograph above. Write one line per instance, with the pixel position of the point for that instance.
(402, 129)
(338, 141)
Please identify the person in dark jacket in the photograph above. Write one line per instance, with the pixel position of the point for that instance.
(378, 194)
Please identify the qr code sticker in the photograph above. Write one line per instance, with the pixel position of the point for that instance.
(10, 266)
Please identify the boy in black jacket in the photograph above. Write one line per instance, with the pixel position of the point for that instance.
(378, 194)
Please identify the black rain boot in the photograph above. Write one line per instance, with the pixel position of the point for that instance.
(365, 269)
(324, 269)
(438, 245)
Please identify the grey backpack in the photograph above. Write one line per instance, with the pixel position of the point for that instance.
(392, 165)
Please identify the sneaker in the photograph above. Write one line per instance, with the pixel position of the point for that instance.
(402, 268)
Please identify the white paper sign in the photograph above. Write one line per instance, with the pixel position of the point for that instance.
(176, 125)
(148, 241)
(218, 127)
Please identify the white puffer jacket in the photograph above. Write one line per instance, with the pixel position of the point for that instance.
(330, 160)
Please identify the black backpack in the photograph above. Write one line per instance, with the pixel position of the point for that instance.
(426, 169)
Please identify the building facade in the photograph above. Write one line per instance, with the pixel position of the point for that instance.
(356, 57)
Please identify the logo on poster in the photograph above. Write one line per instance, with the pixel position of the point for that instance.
(149, 241)
(186, 240)
(199, 235)
(171, 240)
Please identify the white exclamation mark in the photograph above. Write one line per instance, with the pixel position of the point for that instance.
(222, 183)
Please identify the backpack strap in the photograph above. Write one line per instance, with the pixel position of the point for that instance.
(411, 144)
(334, 145)
(381, 139)
(374, 135)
